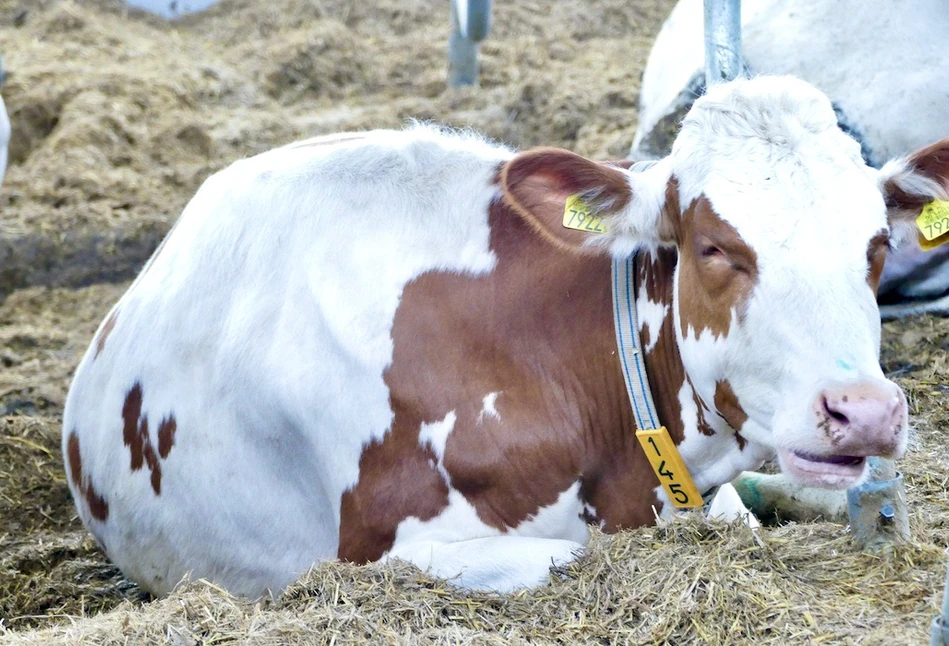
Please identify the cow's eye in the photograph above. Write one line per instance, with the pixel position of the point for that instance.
(711, 251)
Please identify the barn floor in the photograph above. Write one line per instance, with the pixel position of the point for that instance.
(118, 117)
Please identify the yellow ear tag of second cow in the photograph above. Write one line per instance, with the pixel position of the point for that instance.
(576, 215)
(933, 225)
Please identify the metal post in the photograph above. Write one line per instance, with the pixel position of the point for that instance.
(722, 40)
(470, 24)
(940, 633)
(878, 513)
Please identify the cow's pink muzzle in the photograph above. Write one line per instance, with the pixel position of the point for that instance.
(854, 422)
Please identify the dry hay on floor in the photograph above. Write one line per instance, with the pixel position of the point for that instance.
(117, 119)
(686, 582)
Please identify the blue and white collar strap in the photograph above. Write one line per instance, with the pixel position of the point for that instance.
(631, 353)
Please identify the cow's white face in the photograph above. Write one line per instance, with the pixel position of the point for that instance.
(782, 235)
(782, 232)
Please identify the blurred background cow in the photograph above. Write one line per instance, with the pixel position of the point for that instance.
(879, 63)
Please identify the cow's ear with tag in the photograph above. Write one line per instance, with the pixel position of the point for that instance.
(916, 191)
(587, 206)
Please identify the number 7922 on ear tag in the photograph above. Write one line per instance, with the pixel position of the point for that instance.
(665, 460)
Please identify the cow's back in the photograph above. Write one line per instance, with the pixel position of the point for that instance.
(222, 407)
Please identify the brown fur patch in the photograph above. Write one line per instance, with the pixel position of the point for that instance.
(700, 409)
(98, 507)
(135, 435)
(166, 435)
(105, 332)
(664, 367)
(397, 479)
(876, 259)
(932, 162)
(539, 331)
(718, 271)
(728, 406)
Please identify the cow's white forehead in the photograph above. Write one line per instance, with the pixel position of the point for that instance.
(769, 156)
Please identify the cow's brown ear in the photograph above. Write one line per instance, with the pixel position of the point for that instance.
(555, 189)
(911, 183)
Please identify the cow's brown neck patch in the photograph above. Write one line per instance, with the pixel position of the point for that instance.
(664, 368)
(539, 332)
(655, 271)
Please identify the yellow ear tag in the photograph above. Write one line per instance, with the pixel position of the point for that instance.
(933, 222)
(576, 215)
(929, 245)
(664, 457)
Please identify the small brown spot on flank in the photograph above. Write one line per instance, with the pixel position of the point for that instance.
(104, 333)
(75, 461)
(135, 436)
(166, 435)
(131, 431)
(98, 507)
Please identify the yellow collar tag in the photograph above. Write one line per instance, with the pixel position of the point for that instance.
(665, 460)
(576, 215)
(933, 221)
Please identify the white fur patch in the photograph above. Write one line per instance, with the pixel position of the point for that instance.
(488, 408)
(436, 435)
(459, 521)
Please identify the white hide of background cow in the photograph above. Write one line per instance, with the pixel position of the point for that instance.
(249, 356)
(882, 64)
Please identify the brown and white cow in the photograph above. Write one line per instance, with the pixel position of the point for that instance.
(386, 345)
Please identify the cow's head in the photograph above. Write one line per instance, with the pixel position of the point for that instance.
(782, 232)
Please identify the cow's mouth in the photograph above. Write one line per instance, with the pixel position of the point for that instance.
(832, 471)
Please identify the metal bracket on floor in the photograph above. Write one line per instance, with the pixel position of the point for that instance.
(877, 508)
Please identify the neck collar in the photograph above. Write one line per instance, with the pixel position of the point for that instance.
(658, 446)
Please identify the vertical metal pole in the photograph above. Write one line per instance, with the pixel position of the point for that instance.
(722, 40)
(940, 632)
(462, 54)
(470, 23)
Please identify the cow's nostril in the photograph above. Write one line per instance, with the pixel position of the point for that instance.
(836, 415)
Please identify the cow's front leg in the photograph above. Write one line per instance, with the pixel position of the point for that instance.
(496, 563)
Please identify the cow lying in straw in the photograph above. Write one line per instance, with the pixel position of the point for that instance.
(389, 344)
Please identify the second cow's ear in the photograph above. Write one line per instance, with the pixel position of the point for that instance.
(584, 205)
(911, 184)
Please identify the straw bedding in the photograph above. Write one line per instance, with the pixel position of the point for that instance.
(118, 117)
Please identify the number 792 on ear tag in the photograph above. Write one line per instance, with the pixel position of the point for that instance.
(665, 460)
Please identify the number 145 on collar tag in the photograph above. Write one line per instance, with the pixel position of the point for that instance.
(665, 460)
